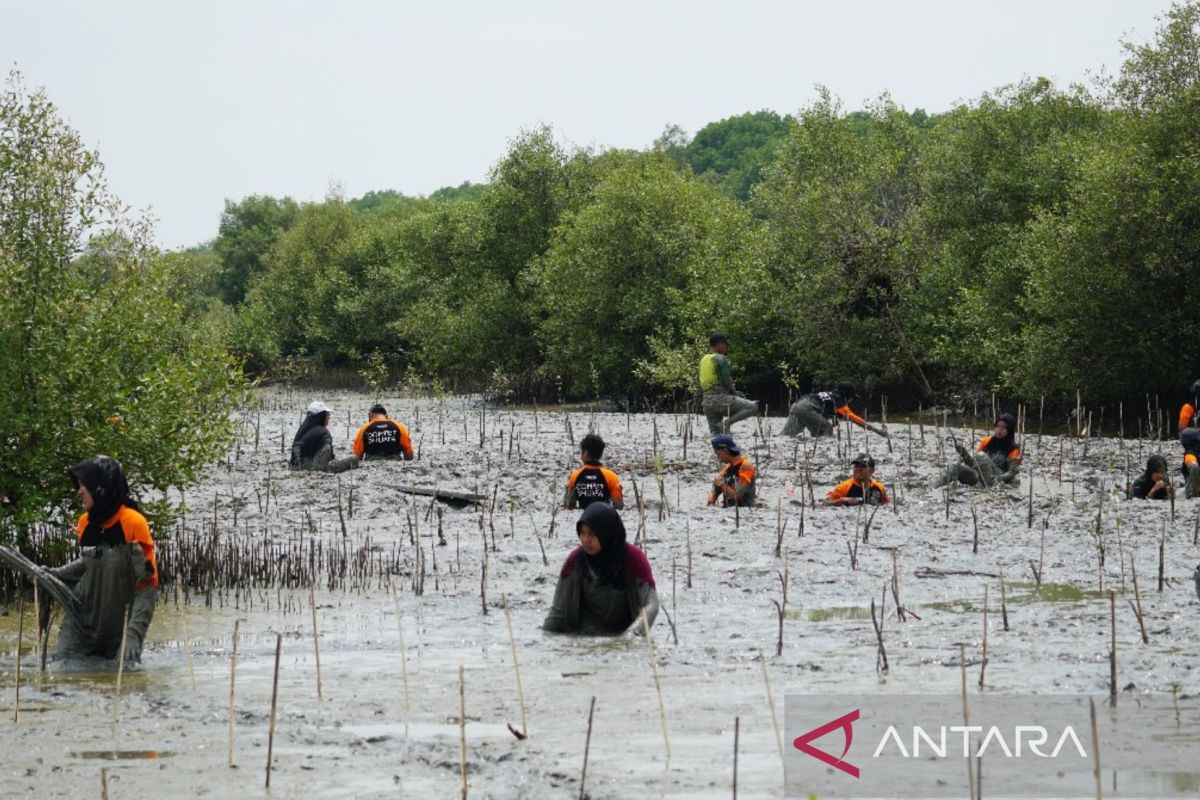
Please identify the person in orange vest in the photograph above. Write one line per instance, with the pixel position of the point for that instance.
(1189, 413)
(382, 437)
(593, 482)
(996, 460)
(861, 488)
(816, 411)
(734, 484)
(116, 581)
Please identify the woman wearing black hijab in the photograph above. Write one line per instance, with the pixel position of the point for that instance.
(116, 580)
(1152, 484)
(605, 584)
(995, 460)
(312, 446)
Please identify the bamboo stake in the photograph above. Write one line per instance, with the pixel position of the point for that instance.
(120, 673)
(984, 660)
(103, 783)
(587, 746)
(662, 709)
(512, 641)
(1095, 748)
(1137, 596)
(17, 671)
(462, 732)
(736, 730)
(232, 676)
(962, 661)
(1003, 601)
(1112, 653)
(403, 660)
(688, 529)
(187, 650)
(762, 660)
(312, 603)
(274, 705)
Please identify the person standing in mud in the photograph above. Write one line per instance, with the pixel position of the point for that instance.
(722, 404)
(996, 460)
(382, 437)
(593, 482)
(116, 581)
(1190, 439)
(815, 412)
(312, 447)
(1189, 412)
(862, 488)
(1152, 484)
(605, 584)
(734, 483)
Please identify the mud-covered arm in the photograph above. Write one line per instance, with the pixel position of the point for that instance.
(71, 572)
(559, 617)
(648, 603)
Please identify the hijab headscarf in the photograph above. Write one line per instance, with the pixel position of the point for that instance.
(105, 481)
(310, 421)
(1009, 442)
(1154, 464)
(607, 567)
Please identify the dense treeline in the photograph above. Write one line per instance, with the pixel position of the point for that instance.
(1036, 241)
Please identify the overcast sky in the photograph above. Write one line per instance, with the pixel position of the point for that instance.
(193, 103)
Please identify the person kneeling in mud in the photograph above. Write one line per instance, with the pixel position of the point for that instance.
(593, 482)
(1190, 439)
(606, 584)
(815, 412)
(312, 447)
(734, 484)
(381, 437)
(118, 574)
(996, 460)
(1152, 484)
(862, 488)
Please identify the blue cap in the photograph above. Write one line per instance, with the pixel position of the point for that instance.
(726, 441)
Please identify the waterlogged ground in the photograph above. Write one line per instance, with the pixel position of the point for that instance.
(168, 735)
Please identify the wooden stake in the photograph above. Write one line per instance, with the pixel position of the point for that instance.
(1137, 596)
(17, 671)
(774, 717)
(1112, 653)
(462, 732)
(403, 660)
(662, 709)
(1095, 748)
(312, 603)
(736, 730)
(232, 676)
(274, 705)
(187, 650)
(881, 662)
(688, 529)
(962, 661)
(1003, 601)
(512, 641)
(120, 672)
(587, 746)
(983, 662)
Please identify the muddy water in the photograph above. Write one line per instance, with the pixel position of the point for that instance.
(164, 736)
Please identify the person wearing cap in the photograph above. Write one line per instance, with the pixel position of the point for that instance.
(312, 447)
(1190, 439)
(1189, 412)
(734, 484)
(722, 404)
(116, 580)
(606, 585)
(815, 412)
(861, 488)
(1152, 484)
(593, 482)
(382, 437)
(996, 460)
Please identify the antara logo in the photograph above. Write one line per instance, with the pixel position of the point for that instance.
(844, 722)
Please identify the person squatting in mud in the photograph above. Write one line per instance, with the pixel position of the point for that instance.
(605, 584)
(1190, 439)
(996, 460)
(1152, 484)
(815, 412)
(118, 573)
(312, 447)
(382, 437)
(593, 482)
(861, 488)
(734, 483)
(722, 404)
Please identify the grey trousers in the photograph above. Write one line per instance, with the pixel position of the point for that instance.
(722, 409)
(806, 415)
(104, 582)
(1192, 482)
(985, 468)
(324, 461)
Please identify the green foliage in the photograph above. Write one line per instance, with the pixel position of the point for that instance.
(731, 153)
(101, 354)
(248, 231)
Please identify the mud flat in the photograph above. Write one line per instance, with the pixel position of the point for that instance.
(358, 740)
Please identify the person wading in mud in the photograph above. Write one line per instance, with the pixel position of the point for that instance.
(1152, 484)
(996, 460)
(593, 482)
(722, 404)
(734, 483)
(1189, 412)
(815, 412)
(605, 583)
(862, 488)
(382, 437)
(118, 573)
(1190, 439)
(312, 447)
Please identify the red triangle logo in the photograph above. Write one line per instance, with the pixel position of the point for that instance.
(845, 723)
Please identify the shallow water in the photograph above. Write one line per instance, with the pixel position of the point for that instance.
(359, 740)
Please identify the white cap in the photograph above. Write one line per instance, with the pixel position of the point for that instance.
(316, 407)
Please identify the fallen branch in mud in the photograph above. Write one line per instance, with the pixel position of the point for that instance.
(930, 572)
(460, 499)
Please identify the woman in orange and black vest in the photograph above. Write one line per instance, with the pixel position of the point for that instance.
(995, 460)
(593, 482)
(862, 488)
(734, 484)
(116, 581)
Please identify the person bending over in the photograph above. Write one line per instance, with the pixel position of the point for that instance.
(593, 482)
(815, 412)
(605, 584)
